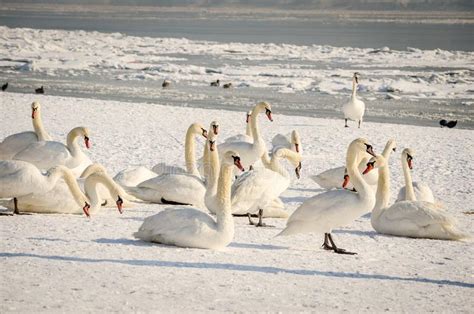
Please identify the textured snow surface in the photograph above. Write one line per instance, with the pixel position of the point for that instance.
(67, 263)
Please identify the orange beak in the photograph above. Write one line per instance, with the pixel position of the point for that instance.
(368, 169)
(120, 205)
(33, 113)
(86, 210)
(297, 148)
(87, 142)
(346, 181)
(410, 164)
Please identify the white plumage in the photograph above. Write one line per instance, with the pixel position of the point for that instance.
(355, 108)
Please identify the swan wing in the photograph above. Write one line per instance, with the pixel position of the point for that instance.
(239, 138)
(162, 168)
(331, 178)
(15, 143)
(282, 140)
(18, 178)
(420, 213)
(134, 176)
(45, 155)
(181, 226)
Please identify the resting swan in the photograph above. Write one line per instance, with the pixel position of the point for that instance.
(15, 143)
(45, 155)
(355, 108)
(21, 179)
(62, 199)
(136, 175)
(410, 218)
(190, 227)
(422, 190)
(335, 208)
(255, 191)
(250, 152)
(337, 177)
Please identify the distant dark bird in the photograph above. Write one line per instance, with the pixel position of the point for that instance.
(4, 87)
(228, 85)
(449, 124)
(216, 83)
(166, 83)
(40, 90)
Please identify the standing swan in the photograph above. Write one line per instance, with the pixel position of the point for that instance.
(45, 155)
(335, 208)
(422, 191)
(410, 218)
(19, 179)
(355, 108)
(250, 152)
(190, 227)
(256, 190)
(15, 143)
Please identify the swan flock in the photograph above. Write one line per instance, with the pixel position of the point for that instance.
(238, 177)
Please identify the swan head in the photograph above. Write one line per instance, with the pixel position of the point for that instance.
(293, 157)
(356, 77)
(119, 204)
(264, 106)
(214, 127)
(391, 144)
(91, 169)
(295, 140)
(196, 128)
(248, 115)
(407, 155)
(35, 107)
(361, 145)
(85, 133)
(86, 209)
(375, 162)
(232, 158)
(211, 139)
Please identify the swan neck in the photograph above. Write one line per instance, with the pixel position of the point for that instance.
(39, 128)
(72, 143)
(409, 192)
(266, 160)
(71, 182)
(254, 124)
(248, 129)
(211, 167)
(387, 152)
(382, 197)
(354, 89)
(224, 212)
(189, 152)
(352, 163)
(91, 187)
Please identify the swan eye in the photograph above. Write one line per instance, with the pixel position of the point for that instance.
(267, 111)
(409, 157)
(369, 149)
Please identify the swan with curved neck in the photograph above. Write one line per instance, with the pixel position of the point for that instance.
(337, 177)
(63, 197)
(21, 179)
(48, 154)
(15, 143)
(355, 108)
(410, 218)
(250, 152)
(335, 208)
(256, 191)
(412, 190)
(190, 227)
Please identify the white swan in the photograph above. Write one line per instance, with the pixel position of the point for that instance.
(190, 227)
(422, 190)
(63, 199)
(250, 152)
(134, 176)
(255, 191)
(337, 177)
(45, 155)
(247, 137)
(291, 141)
(21, 179)
(335, 208)
(15, 143)
(355, 108)
(410, 218)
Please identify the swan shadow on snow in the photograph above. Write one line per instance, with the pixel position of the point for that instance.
(242, 268)
(123, 241)
(293, 199)
(307, 190)
(256, 246)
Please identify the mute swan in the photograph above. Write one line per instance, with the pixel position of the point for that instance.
(190, 227)
(247, 137)
(355, 108)
(20, 179)
(193, 131)
(60, 200)
(48, 154)
(250, 152)
(422, 190)
(337, 177)
(15, 143)
(335, 208)
(256, 190)
(291, 141)
(410, 218)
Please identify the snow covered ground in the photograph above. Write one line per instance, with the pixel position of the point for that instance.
(62, 263)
